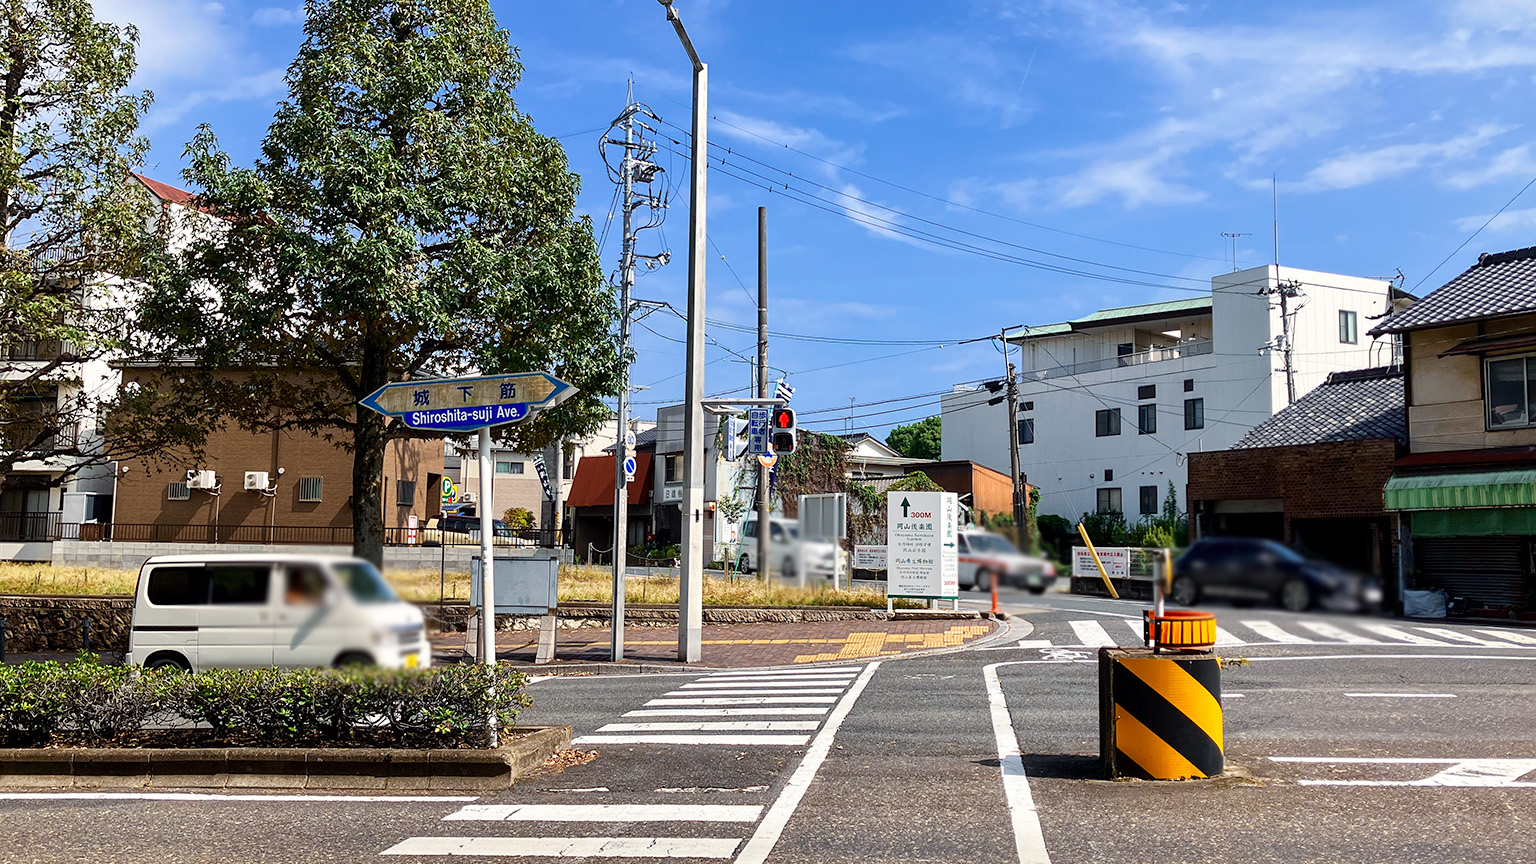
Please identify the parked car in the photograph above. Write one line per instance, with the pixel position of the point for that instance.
(465, 531)
(1247, 570)
(196, 612)
(786, 550)
(986, 557)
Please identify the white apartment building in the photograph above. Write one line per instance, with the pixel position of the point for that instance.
(1111, 403)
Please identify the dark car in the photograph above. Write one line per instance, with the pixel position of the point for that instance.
(1244, 569)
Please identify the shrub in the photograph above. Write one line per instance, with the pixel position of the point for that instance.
(518, 518)
(88, 703)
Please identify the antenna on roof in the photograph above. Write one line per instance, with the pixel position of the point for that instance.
(1274, 199)
(1233, 235)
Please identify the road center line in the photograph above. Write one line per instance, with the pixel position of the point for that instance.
(769, 830)
(1028, 839)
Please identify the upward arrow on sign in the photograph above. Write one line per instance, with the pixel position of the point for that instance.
(904, 506)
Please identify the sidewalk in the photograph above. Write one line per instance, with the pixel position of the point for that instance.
(738, 645)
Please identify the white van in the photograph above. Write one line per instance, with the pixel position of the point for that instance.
(202, 611)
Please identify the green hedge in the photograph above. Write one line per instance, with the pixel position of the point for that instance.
(87, 703)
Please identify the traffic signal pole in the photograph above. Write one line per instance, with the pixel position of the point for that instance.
(764, 510)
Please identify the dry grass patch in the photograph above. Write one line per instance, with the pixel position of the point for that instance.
(594, 584)
(22, 578)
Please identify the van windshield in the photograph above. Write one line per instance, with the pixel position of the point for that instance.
(364, 582)
(991, 543)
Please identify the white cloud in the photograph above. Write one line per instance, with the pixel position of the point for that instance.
(278, 16)
(179, 40)
(264, 85)
(760, 131)
(1514, 162)
(1361, 167)
(1509, 220)
(1137, 181)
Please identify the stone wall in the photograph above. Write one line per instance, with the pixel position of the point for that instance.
(55, 623)
(453, 617)
(131, 556)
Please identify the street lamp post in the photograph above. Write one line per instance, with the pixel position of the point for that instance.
(690, 607)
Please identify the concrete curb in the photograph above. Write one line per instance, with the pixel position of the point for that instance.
(283, 767)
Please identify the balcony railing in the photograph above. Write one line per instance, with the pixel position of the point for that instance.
(1154, 355)
(25, 439)
(37, 349)
(29, 526)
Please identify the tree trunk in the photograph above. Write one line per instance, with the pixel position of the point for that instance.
(368, 462)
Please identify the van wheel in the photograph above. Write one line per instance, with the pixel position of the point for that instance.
(168, 660)
(744, 564)
(353, 658)
(1185, 591)
(983, 580)
(789, 568)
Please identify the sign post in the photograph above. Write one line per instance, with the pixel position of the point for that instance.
(468, 405)
(922, 559)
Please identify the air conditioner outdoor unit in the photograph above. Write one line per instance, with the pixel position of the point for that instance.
(467, 497)
(202, 480)
(255, 481)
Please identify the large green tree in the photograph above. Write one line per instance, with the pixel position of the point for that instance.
(73, 224)
(920, 440)
(403, 220)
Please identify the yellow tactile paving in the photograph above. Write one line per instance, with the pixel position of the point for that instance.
(873, 644)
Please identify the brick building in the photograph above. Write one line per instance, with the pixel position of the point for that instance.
(1312, 475)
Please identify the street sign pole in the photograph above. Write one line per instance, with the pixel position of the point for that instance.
(487, 563)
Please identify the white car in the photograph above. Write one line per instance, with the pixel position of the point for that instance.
(986, 557)
(195, 612)
(786, 550)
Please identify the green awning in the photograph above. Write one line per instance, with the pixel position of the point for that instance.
(1460, 491)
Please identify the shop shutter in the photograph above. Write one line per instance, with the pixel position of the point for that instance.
(1481, 569)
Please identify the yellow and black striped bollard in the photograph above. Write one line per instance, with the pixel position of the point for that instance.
(1160, 714)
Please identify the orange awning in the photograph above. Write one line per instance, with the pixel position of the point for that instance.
(593, 483)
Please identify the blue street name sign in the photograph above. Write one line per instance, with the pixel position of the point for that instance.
(467, 404)
(757, 431)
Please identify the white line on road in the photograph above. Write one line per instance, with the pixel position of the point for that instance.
(794, 680)
(1401, 695)
(1225, 638)
(744, 700)
(1028, 839)
(734, 690)
(569, 847)
(1420, 783)
(1233, 695)
(1371, 656)
(1338, 634)
(1398, 634)
(1463, 637)
(724, 726)
(733, 740)
(1269, 630)
(212, 796)
(1033, 643)
(1520, 638)
(1091, 633)
(726, 712)
(811, 670)
(768, 831)
(606, 813)
(1367, 760)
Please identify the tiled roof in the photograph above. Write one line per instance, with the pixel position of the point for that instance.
(166, 192)
(1500, 283)
(1103, 317)
(641, 439)
(1349, 406)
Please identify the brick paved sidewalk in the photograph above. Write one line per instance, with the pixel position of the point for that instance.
(739, 645)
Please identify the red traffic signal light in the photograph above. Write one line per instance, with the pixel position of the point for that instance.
(781, 437)
(783, 418)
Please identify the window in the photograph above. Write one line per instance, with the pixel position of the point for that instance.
(509, 467)
(1125, 348)
(1109, 474)
(178, 492)
(238, 584)
(1149, 500)
(1194, 413)
(962, 547)
(1027, 406)
(178, 586)
(310, 489)
(1347, 333)
(1189, 385)
(1106, 422)
(1146, 391)
(1146, 419)
(1109, 500)
(303, 585)
(674, 468)
(405, 493)
(1027, 430)
(1509, 387)
(749, 530)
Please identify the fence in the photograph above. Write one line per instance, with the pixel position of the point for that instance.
(48, 526)
(29, 527)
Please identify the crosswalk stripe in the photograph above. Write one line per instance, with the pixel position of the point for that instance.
(786, 681)
(1223, 637)
(1269, 630)
(1328, 631)
(1398, 635)
(1136, 628)
(825, 670)
(759, 691)
(661, 738)
(790, 686)
(745, 700)
(724, 712)
(720, 726)
(569, 847)
(1091, 633)
(1518, 638)
(606, 813)
(1461, 637)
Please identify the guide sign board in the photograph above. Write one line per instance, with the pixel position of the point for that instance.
(922, 560)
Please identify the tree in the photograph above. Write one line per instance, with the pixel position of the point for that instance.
(920, 440)
(518, 518)
(404, 220)
(72, 225)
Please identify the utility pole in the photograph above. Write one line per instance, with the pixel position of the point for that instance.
(690, 604)
(1286, 291)
(763, 508)
(1020, 523)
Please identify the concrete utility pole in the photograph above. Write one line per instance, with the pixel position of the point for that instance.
(763, 508)
(1019, 505)
(690, 605)
(1286, 290)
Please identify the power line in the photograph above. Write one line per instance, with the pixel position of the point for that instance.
(1473, 234)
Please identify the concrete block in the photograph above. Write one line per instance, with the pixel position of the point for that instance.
(192, 767)
(361, 768)
(267, 768)
(111, 769)
(27, 768)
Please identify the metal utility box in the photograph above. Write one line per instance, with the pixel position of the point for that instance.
(525, 585)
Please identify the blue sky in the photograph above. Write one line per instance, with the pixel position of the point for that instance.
(1120, 134)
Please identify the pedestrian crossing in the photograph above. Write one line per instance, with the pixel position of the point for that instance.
(1104, 632)
(767, 708)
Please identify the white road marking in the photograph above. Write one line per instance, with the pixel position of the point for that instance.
(1337, 634)
(811, 670)
(212, 796)
(1495, 773)
(1305, 657)
(534, 679)
(725, 726)
(569, 847)
(1223, 637)
(689, 790)
(1519, 638)
(1403, 783)
(1271, 631)
(1033, 643)
(1028, 839)
(1398, 635)
(1401, 695)
(730, 690)
(1462, 637)
(744, 700)
(726, 712)
(775, 680)
(1233, 695)
(768, 831)
(658, 738)
(1367, 760)
(1091, 633)
(588, 789)
(606, 813)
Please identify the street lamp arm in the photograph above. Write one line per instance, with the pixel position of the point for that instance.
(677, 24)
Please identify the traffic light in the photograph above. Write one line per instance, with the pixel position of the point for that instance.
(781, 431)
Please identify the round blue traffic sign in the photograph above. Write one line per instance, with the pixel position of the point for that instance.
(629, 467)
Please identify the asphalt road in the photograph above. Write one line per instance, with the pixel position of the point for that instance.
(1433, 758)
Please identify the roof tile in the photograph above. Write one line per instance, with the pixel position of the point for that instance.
(1500, 283)
(1350, 406)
